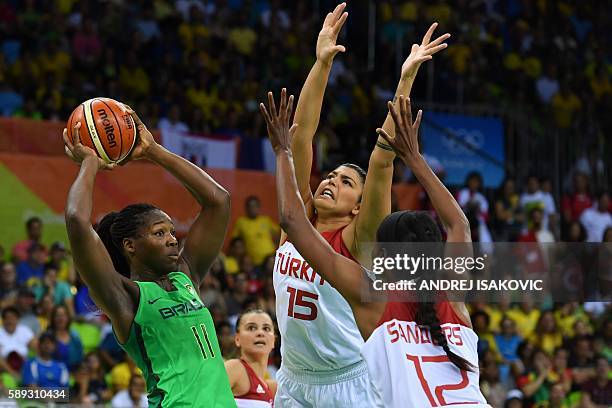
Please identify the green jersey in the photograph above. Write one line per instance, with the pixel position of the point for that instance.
(173, 342)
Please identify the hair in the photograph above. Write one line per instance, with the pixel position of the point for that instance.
(252, 198)
(32, 220)
(10, 309)
(476, 175)
(362, 173)
(114, 227)
(418, 226)
(52, 327)
(249, 311)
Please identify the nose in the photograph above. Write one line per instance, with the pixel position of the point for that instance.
(172, 241)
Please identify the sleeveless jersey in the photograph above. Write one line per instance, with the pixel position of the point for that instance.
(410, 371)
(173, 342)
(259, 395)
(318, 330)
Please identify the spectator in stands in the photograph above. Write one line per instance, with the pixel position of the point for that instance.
(15, 339)
(59, 259)
(43, 370)
(597, 218)
(548, 84)
(558, 396)
(32, 269)
(34, 229)
(69, 347)
(560, 373)
(581, 354)
(134, 396)
(226, 340)
(607, 235)
(259, 232)
(59, 290)
(514, 399)
(525, 316)
(575, 232)
(598, 392)
(508, 219)
(44, 311)
(121, 374)
(507, 343)
(173, 123)
(546, 336)
(237, 250)
(535, 385)
(566, 106)
(111, 352)
(25, 304)
(491, 386)
(578, 200)
(537, 231)
(476, 207)
(486, 341)
(239, 294)
(534, 197)
(8, 284)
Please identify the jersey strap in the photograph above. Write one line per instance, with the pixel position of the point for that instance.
(258, 389)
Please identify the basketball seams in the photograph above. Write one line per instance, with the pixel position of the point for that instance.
(84, 124)
(93, 132)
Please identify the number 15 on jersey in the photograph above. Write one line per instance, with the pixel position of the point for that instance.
(303, 298)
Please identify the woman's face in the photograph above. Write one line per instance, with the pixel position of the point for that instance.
(156, 245)
(61, 319)
(255, 334)
(339, 193)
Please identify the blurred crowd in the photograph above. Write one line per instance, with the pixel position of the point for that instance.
(202, 65)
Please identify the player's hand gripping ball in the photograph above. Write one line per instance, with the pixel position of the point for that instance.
(106, 127)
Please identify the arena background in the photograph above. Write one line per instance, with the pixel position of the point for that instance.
(523, 90)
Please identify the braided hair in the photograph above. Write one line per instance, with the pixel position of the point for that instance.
(418, 226)
(116, 226)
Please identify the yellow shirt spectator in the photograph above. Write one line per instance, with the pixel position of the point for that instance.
(134, 80)
(526, 320)
(55, 62)
(459, 55)
(565, 106)
(259, 232)
(243, 38)
(440, 12)
(121, 373)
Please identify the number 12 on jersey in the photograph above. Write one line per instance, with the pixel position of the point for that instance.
(298, 297)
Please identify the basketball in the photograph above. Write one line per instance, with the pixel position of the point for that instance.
(106, 127)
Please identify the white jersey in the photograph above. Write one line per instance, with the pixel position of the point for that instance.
(318, 330)
(410, 371)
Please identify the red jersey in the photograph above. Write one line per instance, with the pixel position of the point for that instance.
(259, 394)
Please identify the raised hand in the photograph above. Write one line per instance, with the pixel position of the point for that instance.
(423, 52)
(326, 43)
(78, 152)
(279, 132)
(144, 142)
(406, 140)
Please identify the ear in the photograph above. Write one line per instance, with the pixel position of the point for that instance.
(128, 246)
(237, 340)
(356, 209)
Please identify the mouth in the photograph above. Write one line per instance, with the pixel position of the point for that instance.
(174, 257)
(327, 193)
(260, 343)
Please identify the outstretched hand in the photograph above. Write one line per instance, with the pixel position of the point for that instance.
(144, 140)
(277, 123)
(423, 52)
(326, 43)
(78, 152)
(406, 140)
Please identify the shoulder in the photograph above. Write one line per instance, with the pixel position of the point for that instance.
(272, 385)
(237, 374)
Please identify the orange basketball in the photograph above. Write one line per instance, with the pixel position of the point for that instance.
(106, 127)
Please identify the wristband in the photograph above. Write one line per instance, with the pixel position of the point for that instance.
(384, 146)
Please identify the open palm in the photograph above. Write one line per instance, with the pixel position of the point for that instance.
(423, 52)
(326, 43)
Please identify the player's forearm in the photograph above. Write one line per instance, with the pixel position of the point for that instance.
(444, 203)
(203, 187)
(383, 154)
(79, 205)
(307, 114)
(290, 205)
(310, 103)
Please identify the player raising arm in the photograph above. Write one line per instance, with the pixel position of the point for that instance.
(148, 285)
(445, 365)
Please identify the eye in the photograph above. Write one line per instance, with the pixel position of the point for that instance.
(159, 233)
(173, 233)
(330, 176)
(348, 183)
(268, 329)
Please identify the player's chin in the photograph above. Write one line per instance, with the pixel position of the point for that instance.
(323, 203)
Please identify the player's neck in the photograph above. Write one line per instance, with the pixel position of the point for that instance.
(259, 364)
(331, 223)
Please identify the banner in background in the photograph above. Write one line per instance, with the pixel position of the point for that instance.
(203, 151)
(484, 134)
